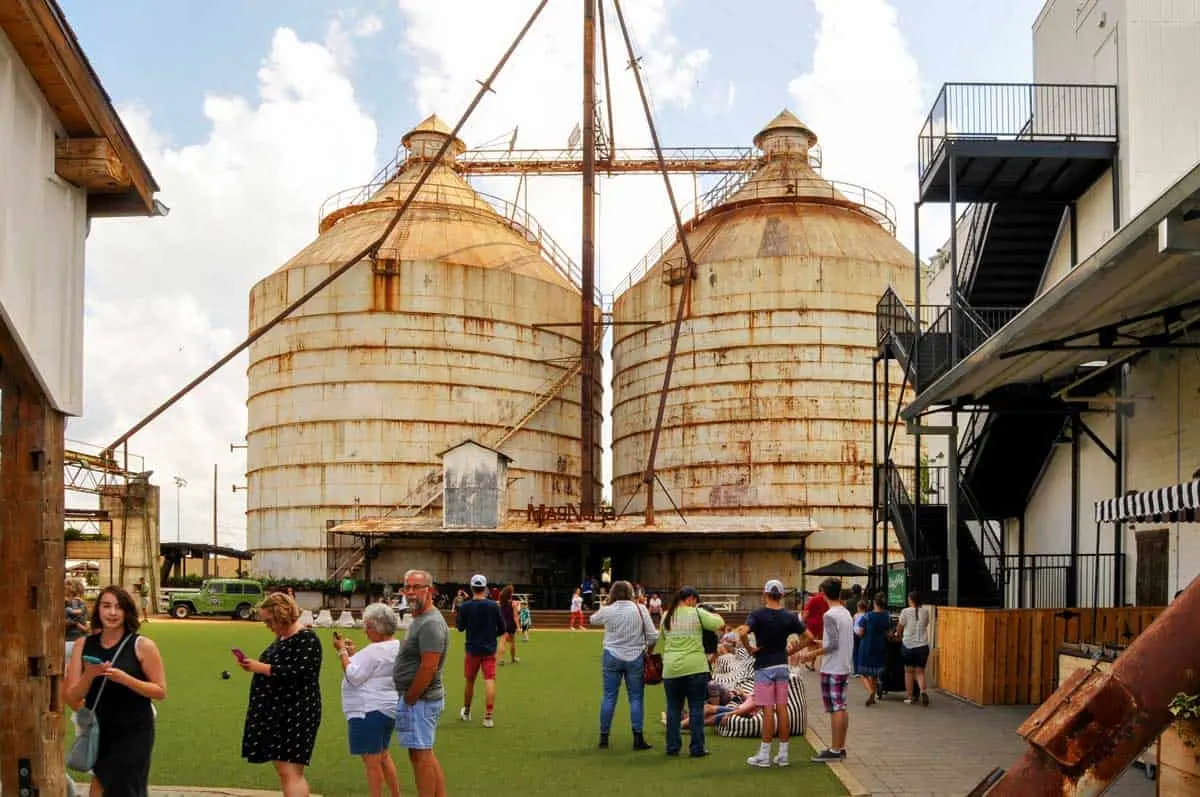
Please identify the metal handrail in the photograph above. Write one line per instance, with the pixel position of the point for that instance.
(1008, 111)
(869, 202)
(514, 216)
(985, 523)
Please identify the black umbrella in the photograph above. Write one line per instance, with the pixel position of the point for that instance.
(839, 568)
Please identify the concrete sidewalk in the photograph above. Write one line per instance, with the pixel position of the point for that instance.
(940, 751)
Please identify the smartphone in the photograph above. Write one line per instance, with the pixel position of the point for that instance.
(237, 654)
(92, 660)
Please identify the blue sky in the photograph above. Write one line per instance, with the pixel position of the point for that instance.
(252, 112)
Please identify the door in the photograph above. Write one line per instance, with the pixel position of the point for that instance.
(1153, 559)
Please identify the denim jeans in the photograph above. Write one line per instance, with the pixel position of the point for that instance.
(694, 689)
(613, 670)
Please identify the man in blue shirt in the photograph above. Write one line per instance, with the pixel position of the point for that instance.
(480, 618)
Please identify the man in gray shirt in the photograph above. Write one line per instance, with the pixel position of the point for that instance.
(838, 652)
(418, 678)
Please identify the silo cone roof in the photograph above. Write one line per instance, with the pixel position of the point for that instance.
(448, 221)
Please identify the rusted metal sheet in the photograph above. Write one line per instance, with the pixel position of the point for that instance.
(352, 397)
(769, 411)
(1093, 727)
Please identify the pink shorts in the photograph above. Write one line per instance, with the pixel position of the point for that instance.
(771, 686)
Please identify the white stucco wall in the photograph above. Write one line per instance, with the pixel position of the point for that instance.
(1151, 50)
(43, 223)
(1163, 448)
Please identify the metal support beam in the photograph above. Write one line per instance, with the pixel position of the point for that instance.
(1073, 567)
(1119, 489)
(587, 266)
(954, 286)
(952, 499)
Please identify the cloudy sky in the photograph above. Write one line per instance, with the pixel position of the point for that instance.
(252, 113)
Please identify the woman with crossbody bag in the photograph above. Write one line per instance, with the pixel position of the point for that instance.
(116, 673)
(628, 632)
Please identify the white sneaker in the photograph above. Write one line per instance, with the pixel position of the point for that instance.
(487, 722)
(759, 760)
(781, 760)
(464, 714)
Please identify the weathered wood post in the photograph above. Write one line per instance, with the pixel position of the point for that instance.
(32, 618)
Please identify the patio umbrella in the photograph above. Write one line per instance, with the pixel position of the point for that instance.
(839, 568)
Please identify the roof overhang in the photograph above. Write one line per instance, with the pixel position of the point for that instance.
(98, 154)
(1140, 291)
(790, 528)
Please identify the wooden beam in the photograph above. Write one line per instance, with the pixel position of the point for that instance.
(91, 164)
(32, 623)
(48, 47)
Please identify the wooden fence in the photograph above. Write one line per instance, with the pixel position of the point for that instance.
(1008, 656)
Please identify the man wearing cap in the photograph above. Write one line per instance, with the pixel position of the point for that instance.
(772, 625)
(480, 618)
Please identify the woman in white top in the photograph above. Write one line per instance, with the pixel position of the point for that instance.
(914, 646)
(627, 633)
(369, 696)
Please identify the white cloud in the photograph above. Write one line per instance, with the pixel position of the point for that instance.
(863, 99)
(167, 297)
(347, 26)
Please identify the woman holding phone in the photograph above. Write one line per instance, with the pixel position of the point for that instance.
(129, 669)
(285, 696)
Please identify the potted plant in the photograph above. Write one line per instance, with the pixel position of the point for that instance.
(1179, 747)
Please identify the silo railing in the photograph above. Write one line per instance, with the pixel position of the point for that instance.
(515, 217)
(871, 203)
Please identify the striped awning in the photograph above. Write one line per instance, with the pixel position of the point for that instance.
(1164, 504)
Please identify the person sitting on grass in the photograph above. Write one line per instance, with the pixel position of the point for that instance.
(369, 696)
(723, 703)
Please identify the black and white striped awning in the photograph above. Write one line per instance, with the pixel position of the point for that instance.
(1164, 504)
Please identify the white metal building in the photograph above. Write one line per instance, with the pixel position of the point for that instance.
(1110, 335)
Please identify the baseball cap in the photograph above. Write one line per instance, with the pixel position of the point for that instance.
(689, 592)
(478, 580)
(773, 587)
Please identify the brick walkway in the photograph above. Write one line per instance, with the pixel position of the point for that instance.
(940, 751)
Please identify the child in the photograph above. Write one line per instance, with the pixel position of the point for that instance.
(526, 620)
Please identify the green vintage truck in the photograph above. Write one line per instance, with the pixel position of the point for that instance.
(235, 597)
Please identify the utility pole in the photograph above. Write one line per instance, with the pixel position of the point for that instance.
(179, 482)
(588, 264)
(214, 553)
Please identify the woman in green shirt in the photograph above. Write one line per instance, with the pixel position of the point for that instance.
(685, 667)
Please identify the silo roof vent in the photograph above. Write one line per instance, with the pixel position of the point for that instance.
(785, 135)
(424, 140)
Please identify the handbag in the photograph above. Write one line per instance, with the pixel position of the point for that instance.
(86, 747)
(652, 663)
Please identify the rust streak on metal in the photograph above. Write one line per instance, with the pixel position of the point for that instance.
(1093, 727)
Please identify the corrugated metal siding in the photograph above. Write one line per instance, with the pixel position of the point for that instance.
(769, 411)
(352, 398)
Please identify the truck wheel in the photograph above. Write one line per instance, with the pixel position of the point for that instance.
(242, 612)
(181, 611)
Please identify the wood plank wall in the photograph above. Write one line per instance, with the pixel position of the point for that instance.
(1008, 657)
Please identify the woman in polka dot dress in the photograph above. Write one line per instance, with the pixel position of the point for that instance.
(285, 696)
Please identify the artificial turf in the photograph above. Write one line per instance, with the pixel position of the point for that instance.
(544, 741)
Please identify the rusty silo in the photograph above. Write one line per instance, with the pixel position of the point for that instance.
(352, 398)
(769, 410)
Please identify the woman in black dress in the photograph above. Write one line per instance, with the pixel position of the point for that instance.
(132, 675)
(285, 696)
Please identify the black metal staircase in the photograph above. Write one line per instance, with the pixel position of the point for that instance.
(923, 540)
(1004, 459)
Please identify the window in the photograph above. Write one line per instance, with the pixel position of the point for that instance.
(233, 589)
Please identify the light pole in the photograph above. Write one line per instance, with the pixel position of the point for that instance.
(179, 482)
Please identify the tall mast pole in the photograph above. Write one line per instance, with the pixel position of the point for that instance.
(588, 264)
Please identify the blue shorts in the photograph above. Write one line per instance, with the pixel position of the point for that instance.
(371, 734)
(416, 725)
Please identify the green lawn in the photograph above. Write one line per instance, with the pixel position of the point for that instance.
(544, 739)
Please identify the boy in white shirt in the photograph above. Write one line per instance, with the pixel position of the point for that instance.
(837, 662)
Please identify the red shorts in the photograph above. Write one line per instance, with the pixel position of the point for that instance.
(472, 664)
